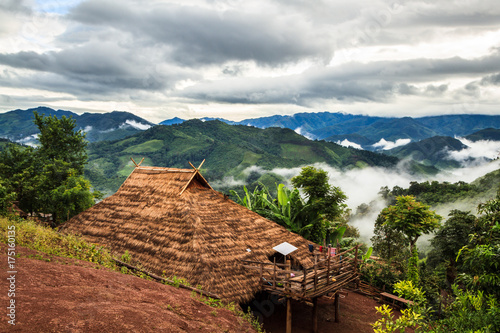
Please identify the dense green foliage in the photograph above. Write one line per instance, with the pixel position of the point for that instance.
(287, 208)
(49, 179)
(389, 243)
(319, 219)
(469, 248)
(434, 192)
(410, 217)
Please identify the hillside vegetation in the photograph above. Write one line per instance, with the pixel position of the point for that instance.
(228, 150)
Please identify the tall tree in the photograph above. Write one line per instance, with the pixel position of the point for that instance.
(411, 217)
(388, 242)
(323, 198)
(49, 178)
(60, 141)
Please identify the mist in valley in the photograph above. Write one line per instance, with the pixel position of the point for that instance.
(363, 186)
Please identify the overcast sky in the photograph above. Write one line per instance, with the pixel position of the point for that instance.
(245, 59)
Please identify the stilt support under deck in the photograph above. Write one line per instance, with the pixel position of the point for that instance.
(337, 306)
(315, 315)
(288, 315)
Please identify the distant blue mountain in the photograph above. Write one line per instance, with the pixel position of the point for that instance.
(491, 134)
(172, 121)
(367, 130)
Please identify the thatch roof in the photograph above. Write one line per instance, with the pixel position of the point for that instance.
(174, 223)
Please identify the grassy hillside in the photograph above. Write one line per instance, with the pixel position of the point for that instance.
(228, 151)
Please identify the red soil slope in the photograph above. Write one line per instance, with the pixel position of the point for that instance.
(66, 295)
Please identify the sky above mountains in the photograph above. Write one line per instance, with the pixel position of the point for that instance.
(242, 59)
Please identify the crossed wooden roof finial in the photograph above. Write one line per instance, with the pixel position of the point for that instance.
(196, 172)
(137, 165)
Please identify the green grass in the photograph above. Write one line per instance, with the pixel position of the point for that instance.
(250, 158)
(125, 142)
(299, 152)
(146, 147)
(46, 240)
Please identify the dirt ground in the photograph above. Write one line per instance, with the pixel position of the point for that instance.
(356, 314)
(67, 295)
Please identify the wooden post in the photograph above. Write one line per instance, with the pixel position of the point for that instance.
(315, 315)
(337, 307)
(315, 273)
(288, 284)
(356, 258)
(338, 249)
(328, 271)
(288, 315)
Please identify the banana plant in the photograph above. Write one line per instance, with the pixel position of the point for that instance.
(367, 255)
(255, 201)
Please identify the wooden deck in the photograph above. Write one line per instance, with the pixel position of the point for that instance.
(329, 274)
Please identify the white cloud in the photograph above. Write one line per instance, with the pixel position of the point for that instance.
(347, 143)
(386, 145)
(483, 149)
(299, 130)
(228, 182)
(31, 140)
(136, 124)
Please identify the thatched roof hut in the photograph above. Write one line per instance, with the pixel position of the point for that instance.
(174, 223)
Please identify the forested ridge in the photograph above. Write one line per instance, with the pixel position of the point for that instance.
(227, 149)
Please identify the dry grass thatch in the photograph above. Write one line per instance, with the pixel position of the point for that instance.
(199, 235)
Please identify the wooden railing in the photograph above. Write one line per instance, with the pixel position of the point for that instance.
(328, 274)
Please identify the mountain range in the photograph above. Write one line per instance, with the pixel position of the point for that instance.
(427, 140)
(18, 126)
(361, 131)
(235, 154)
(366, 131)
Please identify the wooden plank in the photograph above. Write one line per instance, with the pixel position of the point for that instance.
(396, 298)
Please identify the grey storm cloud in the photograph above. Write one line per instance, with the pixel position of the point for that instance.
(198, 36)
(376, 81)
(97, 67)
(192, 54)
(493, 79)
